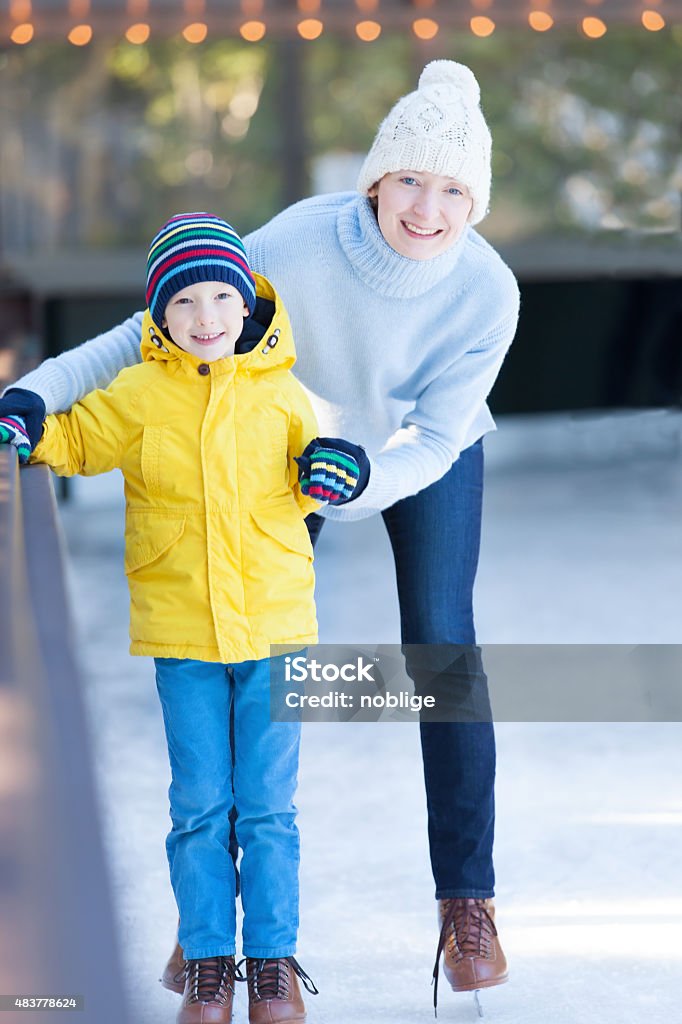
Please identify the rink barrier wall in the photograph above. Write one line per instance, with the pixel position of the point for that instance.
(57, 931)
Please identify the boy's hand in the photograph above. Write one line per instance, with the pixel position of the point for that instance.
(18, 402)
(333, 470)
(13, 431)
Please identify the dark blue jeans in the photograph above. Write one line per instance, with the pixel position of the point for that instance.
(435, 536)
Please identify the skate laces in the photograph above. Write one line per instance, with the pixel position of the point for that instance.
(269, 979)
(467, 931)
(212, 979)
(308, 983)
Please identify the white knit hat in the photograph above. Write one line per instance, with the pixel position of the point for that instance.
(439, 128)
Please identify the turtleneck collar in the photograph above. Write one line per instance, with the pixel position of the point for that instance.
(380, 266)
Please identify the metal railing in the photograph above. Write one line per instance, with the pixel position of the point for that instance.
(57, 933)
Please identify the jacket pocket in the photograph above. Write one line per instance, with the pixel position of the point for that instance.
(285, 525)
(151, 539)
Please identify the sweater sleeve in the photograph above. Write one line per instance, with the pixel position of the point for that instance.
(433, 433)
(256, 245)
(92, 437)
(62, 381)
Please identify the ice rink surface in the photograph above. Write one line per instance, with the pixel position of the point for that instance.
(582, 543)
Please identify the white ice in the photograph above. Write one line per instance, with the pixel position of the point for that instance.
(582, 543)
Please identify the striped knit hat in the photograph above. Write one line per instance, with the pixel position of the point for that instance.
(194, 247)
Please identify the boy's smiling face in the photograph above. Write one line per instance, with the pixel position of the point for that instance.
(206, 319)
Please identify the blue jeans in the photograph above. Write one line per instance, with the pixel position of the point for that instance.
(435, 536)
(196, 697)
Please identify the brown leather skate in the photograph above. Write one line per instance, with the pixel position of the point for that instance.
(173, 977)
(209, 991)
(274, 992)
(473, 954)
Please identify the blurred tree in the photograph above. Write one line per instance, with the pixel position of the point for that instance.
(101, 144)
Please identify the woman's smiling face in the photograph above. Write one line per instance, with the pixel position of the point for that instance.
(421, 214)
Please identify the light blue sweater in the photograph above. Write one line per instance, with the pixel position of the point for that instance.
(396, 354)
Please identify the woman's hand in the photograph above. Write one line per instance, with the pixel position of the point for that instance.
(333, 470)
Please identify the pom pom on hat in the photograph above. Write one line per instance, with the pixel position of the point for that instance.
(448, 72)
(438, 128)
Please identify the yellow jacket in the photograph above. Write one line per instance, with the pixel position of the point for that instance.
(217, 554)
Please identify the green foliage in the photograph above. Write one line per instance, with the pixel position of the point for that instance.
(351, 87)
(101, 144)
(106, 142)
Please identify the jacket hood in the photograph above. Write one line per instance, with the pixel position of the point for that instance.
(265, 343)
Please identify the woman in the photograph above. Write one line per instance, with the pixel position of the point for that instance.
(393, 288)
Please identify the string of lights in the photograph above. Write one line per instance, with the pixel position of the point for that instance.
(195, 21)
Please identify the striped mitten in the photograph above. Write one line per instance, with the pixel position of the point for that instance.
(13, 431)
(329, 474)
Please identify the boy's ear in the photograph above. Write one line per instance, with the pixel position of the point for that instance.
(246, 311)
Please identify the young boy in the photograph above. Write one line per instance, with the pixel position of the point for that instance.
(206, 432)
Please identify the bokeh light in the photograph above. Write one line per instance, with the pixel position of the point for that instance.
(481, 26)
(310, 28)
(196, 32)
(22, 34)
(425, 28)
(80, 35)
(368, 31)
(594, 28)
(138, 33)
(541, 21)
(653, 21)
(252, 31)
